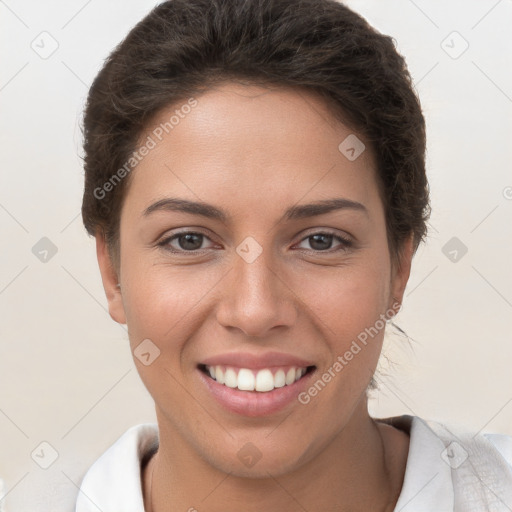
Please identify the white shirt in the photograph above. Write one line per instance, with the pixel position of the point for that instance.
(438, 468)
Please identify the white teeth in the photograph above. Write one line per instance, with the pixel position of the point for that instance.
(279, 379)
(230, 379)
(248, 380)
(290, 376)
(264, 381)
(219, 375)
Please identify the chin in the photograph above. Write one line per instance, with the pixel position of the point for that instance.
(258, 457)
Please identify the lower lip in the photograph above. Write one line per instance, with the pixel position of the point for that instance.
(254, 403)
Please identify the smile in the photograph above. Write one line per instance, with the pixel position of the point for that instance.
(262, 380)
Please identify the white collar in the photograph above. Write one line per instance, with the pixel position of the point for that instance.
(428, 479)
(113, 482)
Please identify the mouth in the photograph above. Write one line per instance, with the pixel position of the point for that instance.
(262, 380)
(255, 384)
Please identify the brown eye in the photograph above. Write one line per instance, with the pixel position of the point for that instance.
(190, 241)
(184, 242)
(321, 241)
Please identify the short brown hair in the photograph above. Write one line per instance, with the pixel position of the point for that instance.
(183, 47)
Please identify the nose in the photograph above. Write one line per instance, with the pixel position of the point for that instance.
(256, 297)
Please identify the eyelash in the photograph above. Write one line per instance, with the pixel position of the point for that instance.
(344, 242)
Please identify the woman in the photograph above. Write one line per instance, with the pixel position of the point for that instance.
(255, 180)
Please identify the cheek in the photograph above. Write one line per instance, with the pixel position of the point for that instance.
(348, 306)
(162, 302)
(349, 300)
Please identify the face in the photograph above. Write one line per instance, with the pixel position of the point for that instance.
(256, 289)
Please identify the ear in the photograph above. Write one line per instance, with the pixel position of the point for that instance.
(401, 270)
(110, 281)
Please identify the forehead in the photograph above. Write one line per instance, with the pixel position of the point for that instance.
(264, 146)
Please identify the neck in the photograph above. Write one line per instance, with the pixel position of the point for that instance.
(353, 471)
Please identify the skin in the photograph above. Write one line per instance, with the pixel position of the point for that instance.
(254, 152)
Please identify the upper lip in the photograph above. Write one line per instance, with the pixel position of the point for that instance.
(256, 361)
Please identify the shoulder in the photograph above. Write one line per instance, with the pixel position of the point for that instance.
(476, 447)
(503, 444)
(67, 486)
(449, 467)
(113, 482)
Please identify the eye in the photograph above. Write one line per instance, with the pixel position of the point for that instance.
(187, 241)
(191, 241)
(322, 241)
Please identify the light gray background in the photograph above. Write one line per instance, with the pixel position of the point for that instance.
(66, 373)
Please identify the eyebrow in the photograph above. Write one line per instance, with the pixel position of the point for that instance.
(294, 212)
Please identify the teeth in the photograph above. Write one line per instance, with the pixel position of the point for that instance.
(230, 379)
(245, 380)
(279, 379)
(264, 381)
(290, 376)
(248, 380)
(219, 375)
